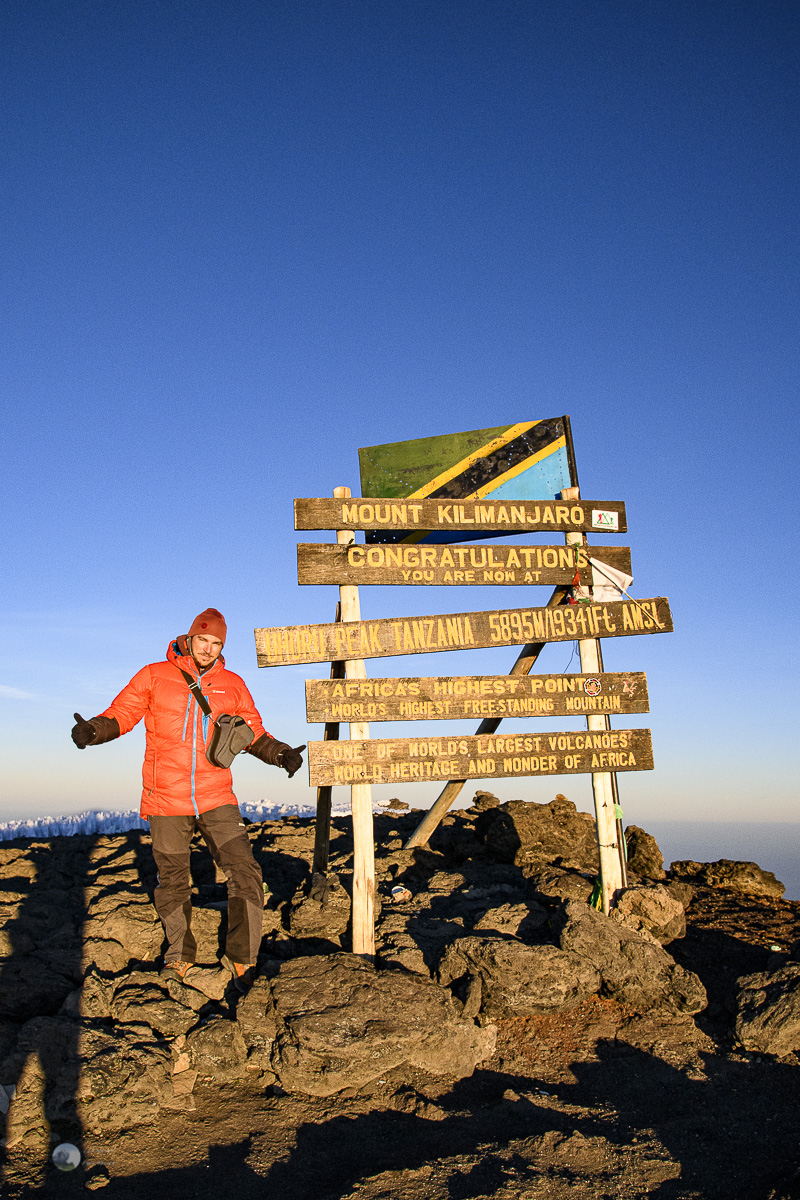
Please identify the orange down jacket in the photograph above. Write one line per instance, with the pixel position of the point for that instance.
(177, 778)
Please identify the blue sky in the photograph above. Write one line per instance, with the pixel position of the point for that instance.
(244, 239)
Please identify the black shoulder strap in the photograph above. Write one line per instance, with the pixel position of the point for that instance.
(194, 688)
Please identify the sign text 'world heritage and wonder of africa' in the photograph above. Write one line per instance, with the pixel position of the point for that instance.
(475, 697)
(290, 644)
(488, 756)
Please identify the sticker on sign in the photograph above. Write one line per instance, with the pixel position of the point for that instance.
(603, 518)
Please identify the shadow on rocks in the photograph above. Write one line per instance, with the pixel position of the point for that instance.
(42, 965)
(330, 1159)
(225, 1173)
(733, 1130)
(718, 959)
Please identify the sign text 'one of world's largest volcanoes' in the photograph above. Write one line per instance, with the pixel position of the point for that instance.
(510, 516)
(414, 760)
(290, 644)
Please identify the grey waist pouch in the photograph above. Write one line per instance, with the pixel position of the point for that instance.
(230, 736)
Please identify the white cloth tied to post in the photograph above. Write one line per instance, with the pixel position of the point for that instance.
(609, 584)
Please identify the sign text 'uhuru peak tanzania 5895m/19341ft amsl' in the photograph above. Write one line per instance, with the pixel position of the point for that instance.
(348, 640)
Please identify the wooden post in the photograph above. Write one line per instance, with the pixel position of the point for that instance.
(610, 870)
(360, 793)
(322, 824)
(527, 657)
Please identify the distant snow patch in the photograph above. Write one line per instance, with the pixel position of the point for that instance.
(99, 822)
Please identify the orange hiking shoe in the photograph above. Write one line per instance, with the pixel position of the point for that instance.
(243, 973)
(175, 970)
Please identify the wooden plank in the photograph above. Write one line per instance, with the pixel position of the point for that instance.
(466, 564)
(363, 914)
(291, 644)
(502, 516)
(322, 823)
(444, 698)
(603, 782)
(493, 756)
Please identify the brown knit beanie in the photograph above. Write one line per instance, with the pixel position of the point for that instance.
(211, 623)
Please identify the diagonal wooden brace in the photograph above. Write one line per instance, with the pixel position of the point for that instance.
(523, 666)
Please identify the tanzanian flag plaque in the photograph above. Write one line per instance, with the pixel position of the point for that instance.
(531, 460)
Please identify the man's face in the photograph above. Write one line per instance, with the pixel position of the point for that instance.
(205, 649)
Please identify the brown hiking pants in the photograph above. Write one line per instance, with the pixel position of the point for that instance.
(223, 831)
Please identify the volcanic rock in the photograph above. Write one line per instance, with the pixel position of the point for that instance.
(141, 999)
(552, 884)
(768, 1016)
(515, 920)
(644, 856)
(255, 1016)
(341, 1024)
(325, 913)
(31, 986)
(651, 910)
(634, 968)
(483, 801)
(217, 1050)
(747, 878)
(123, 1075)
(128, 918)
(91, 1001)
(105, 1080)
(519, 980)
(526, 833)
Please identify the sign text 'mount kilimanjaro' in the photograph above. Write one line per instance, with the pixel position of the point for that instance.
(464, 564)
(290, 644)
(502, 516)
(414, 760)
(475, 697)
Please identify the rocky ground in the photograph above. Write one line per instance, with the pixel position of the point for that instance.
(511, 1041)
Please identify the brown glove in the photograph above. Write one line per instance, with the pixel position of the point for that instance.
(277, 754)
(94, 732)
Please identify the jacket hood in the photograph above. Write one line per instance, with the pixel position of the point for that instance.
(178, 653)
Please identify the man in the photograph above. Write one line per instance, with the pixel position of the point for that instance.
(183, 791)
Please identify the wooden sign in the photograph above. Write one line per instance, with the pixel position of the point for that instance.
(290, 644)
(474, 516)
(491, 756)
(475, 697)
(467, 564)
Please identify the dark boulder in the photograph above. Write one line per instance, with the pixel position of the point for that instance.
(552, 885)
(746, 878)
(217, 1050)
(634, 968)
(325, 913)
(651, 910)
(768, 1011)
(644, 856)
(526, 834)
(522, 921)
(144, 999)
(519, 980)
(342, 1023)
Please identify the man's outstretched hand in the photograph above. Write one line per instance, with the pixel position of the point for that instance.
(292, 759)
(83, 733)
